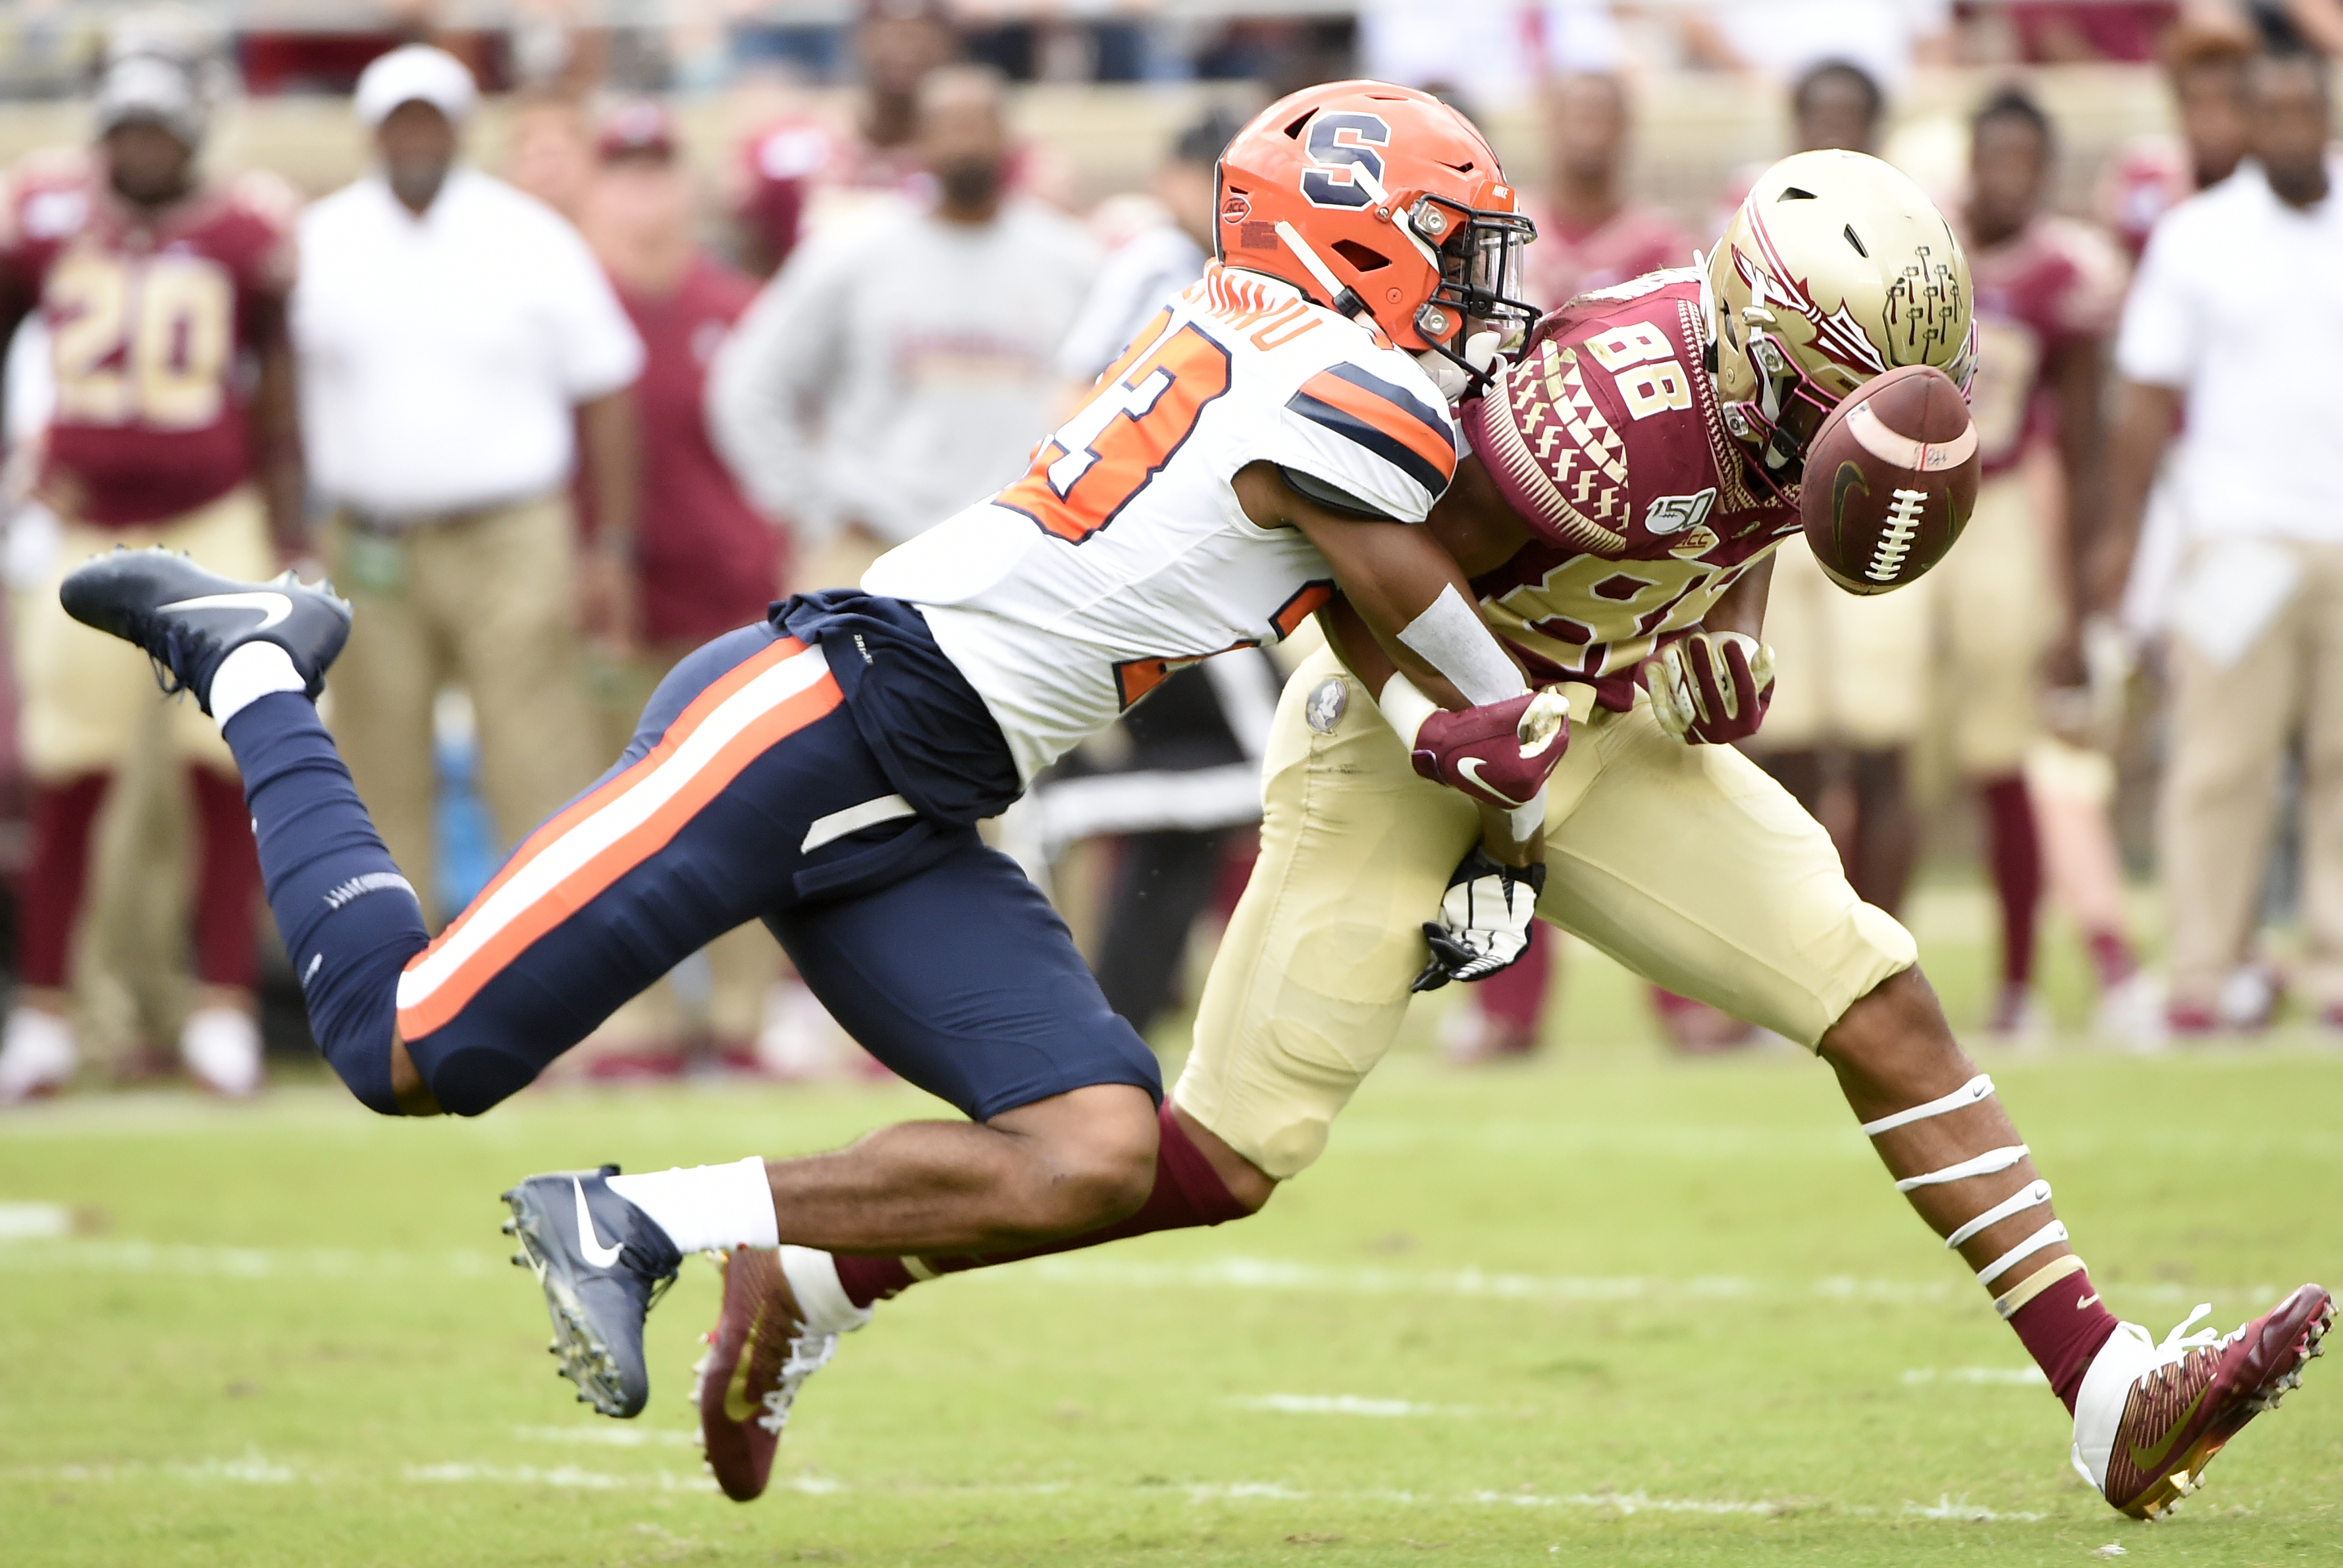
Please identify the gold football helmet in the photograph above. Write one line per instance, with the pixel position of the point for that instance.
(1834, 270)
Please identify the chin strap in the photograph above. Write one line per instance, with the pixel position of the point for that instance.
(2033, 1195)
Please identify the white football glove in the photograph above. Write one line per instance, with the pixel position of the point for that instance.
(1485, 921)
(1711, 687)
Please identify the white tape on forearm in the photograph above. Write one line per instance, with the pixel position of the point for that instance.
(1525, 819)
(2050, 1235)
(1451, 636)
(1405, 709)
(1985, 1164)
(1968, 1093)
(2032, 1195)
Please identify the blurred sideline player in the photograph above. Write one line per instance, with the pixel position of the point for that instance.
(164, 295)
(2048, 289)
(1616, 516)
(705, 561)
(2205, 57)
(799, 173)
(1590, 234)
(1852, 671)
(1255, 452)
(1178, 779)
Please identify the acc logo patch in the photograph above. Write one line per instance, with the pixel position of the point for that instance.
(1328, 700)
(1236, 207)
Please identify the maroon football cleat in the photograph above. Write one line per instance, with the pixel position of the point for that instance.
(758, 1356)
(2149, 1416)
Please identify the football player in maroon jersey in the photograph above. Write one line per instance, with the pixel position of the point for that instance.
(163, 293)
(2047, 292)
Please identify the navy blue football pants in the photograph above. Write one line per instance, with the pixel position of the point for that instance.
(748, 793)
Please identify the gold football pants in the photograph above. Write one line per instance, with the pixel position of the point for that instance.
(1685, 863)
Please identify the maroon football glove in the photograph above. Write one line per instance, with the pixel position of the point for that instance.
(1711, 687)
(1500, 752)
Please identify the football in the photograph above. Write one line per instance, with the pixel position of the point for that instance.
(1891, 478)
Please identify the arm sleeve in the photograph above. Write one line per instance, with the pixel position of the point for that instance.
(785, 349)
(596, 350)
(2158, 340)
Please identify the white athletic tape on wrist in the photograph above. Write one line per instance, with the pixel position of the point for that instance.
(1405, 707)
(2032, 1195)
(1968, 1093)
(1985, 1164)
(2050, 1235)
(1451, 636)
(1525, 819)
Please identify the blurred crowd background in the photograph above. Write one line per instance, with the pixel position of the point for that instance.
(567, 333)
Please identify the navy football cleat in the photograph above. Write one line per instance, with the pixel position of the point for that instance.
(604, 1265)
(188, 620)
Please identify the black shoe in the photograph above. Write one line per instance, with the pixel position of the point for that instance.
(604, 1265)
(188, 620)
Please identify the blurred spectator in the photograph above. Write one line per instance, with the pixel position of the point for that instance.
(1851, 673)
(2204, 63)
(459, 348)
(2226, 313)
(1590, 234)
(792, 168)
(1785, 39)
(173, 424)
(2064, 32)
(2047, 290)
(900, 369)
(549, 152)
(706, 561)
(1489, 52)
(1154, 264)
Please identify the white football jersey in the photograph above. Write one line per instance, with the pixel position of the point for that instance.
(1123, 554)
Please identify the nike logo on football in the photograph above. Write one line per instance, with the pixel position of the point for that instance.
(1471, 768)
(273, 606)
(2146, 1460)
(600, 1256)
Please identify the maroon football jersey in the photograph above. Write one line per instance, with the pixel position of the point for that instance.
(1607, 440)
(709, 561)
(2053, 283)
(1559, 264)
(151, 321)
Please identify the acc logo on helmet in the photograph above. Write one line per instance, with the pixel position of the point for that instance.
(1340, 142)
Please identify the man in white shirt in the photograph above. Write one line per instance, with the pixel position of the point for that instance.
(900, 368)
(2239, 311)
(458, 349)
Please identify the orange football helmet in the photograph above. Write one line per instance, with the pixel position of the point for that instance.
(1379, 201)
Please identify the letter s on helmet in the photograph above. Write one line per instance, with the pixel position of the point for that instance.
(1834, 270)
(1381, 201)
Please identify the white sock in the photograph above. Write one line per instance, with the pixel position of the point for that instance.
(813, 1281)
(247, 674)
(708, 1207)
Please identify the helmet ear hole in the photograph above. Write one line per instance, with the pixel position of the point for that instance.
(1360, 256)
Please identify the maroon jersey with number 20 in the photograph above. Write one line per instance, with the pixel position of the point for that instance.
(150, 318)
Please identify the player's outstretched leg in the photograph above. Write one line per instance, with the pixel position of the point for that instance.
(2148, 1414)
(254, 656)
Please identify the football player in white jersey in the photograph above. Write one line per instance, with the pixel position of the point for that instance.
(1271, 441)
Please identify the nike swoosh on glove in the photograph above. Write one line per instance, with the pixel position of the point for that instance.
(1485, 921)
(1500, 752)
(1711, 687)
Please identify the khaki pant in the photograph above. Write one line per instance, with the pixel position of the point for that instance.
(87, 698)
(487, 601)
(2230, 729)
(742, 962)
(1996, 609)
(1848, 671)
(1685, 863)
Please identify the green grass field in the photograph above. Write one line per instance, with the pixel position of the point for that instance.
(1603, 1308)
